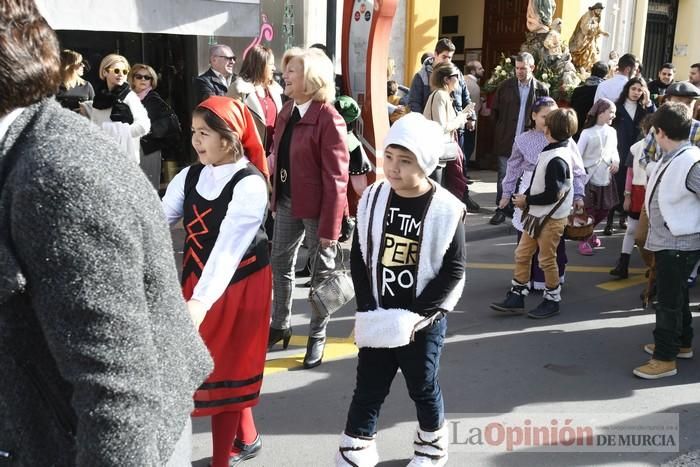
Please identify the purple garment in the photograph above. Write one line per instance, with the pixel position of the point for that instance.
(526, 150)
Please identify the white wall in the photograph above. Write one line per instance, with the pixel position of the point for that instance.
(397, 44)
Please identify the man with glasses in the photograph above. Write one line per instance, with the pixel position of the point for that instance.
(217, 79)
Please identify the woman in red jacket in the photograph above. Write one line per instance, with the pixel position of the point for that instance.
(310, 161)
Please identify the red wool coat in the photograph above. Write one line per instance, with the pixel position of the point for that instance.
(319, 158)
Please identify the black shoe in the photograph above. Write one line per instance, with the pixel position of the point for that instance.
(277, 335)
(498, 218)
(314, 352)
(247, 451)
(622, 268)
(623, 223)
(546, 309)
(514, 302)
(472, 206)
(469, 181)
(306, 272)
(346, 229)
(608, 230)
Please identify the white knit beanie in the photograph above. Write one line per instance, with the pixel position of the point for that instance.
(424, 138)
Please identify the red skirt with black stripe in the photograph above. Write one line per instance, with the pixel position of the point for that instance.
(235, 331)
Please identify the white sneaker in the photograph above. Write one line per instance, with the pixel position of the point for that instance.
(356, 452)
(430, 448)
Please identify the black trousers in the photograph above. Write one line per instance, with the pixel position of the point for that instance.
(419, 362)
(673, 319)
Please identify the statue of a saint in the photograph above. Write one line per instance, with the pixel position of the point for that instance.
(540, 14)
(584, 47)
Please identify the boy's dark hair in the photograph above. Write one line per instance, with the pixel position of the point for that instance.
(562, 124)
(674, 119)
(401, 148)
(646, 123)
(444, 45)
(668, 65)
(627, 61)
(600, 69)
(392, 87)
(30, 63)
(695, 65)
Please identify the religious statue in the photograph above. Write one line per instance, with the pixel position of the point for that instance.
(540, 14)
(584, 46)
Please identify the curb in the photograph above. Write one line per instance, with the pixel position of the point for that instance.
(489, 231)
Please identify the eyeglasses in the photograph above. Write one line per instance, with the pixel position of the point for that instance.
(230, 59)
(117, 71)
(143, 77)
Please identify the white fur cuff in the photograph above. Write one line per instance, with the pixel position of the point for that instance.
(385, 328)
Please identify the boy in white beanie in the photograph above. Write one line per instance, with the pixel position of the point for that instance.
(407, 266)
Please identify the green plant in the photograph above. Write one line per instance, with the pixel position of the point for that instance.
(504, 70)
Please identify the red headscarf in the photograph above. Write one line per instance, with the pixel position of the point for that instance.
(240, 120)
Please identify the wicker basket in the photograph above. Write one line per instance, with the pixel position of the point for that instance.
(582, 232)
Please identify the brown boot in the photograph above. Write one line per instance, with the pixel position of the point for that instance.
(655, 369)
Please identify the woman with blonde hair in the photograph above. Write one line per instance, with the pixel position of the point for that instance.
(117, 109)
(74, 89)
(257, 89)
(165, 131)
(310, 161)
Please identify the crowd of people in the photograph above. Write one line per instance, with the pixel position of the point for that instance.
(627, 147)
(102, 362)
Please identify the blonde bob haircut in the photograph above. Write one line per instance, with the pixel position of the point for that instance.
(110, 60)
(148, 69)
(317, 68)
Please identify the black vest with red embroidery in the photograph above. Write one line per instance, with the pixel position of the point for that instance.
(202, 220)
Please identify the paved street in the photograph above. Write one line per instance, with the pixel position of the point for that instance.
(580, 361)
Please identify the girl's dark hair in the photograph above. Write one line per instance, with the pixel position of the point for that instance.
(254, 63)
(30, 65)
(215, 122)
(539, 104)
(626, 90)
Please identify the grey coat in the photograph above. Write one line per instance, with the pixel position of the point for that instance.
(98, 355)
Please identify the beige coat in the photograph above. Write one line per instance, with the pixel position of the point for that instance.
(244, 91)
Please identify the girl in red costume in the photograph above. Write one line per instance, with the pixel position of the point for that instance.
(226, 277)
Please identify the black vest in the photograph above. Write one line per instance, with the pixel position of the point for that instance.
(202, 220)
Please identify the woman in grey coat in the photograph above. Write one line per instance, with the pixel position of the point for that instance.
(99, 357)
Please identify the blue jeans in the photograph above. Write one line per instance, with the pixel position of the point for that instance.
(419, 362)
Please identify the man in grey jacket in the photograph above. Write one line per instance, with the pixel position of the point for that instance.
(99, 357)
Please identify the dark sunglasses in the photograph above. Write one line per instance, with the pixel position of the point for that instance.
(118, 71)
(144, 77)
(230, 59)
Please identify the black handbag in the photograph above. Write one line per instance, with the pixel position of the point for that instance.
(332, 292)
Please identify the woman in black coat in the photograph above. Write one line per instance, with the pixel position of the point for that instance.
(633, 105)
(165, 133)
